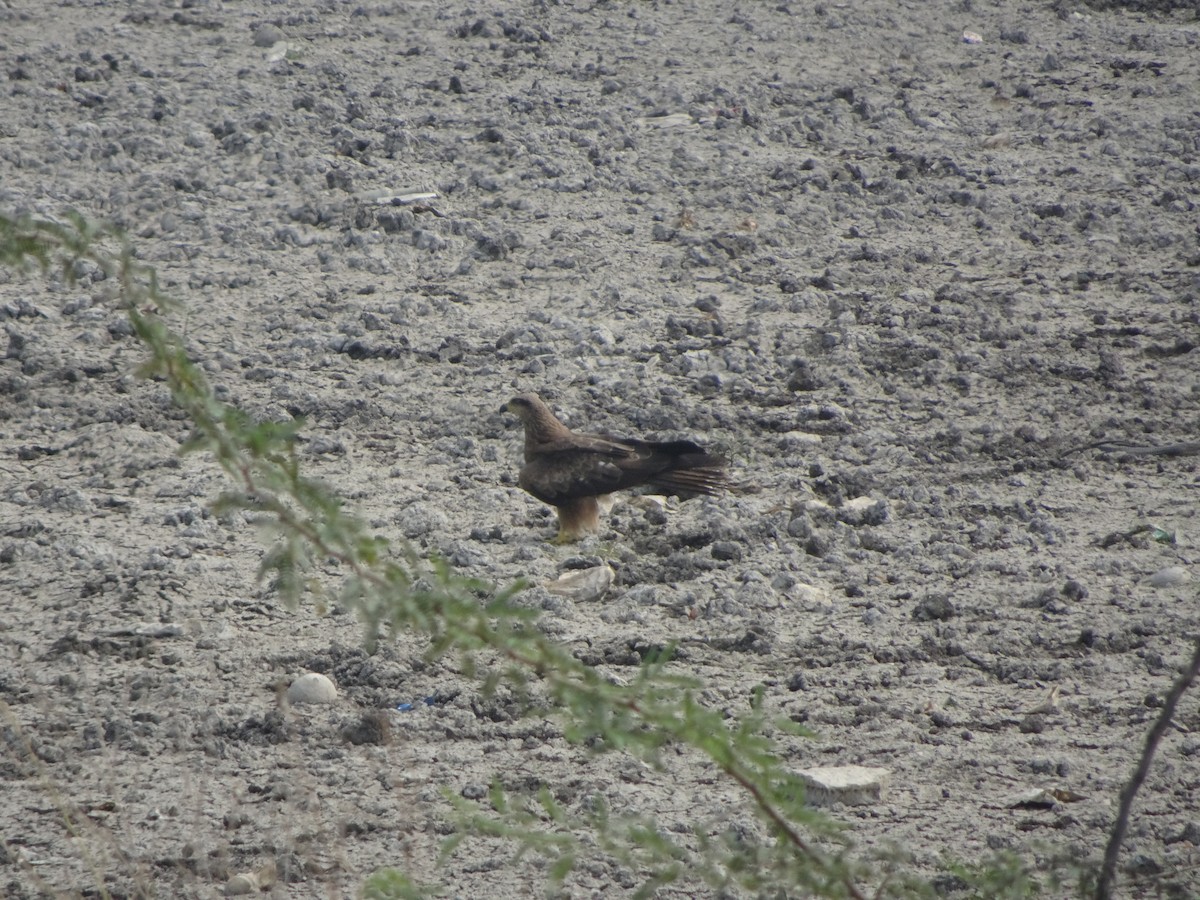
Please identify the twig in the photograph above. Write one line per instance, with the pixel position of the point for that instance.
(1183, 448)
(785, 827)
(1104, 887)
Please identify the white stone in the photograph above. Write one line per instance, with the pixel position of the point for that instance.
(798, 440)
(312, 687)
(241, 885)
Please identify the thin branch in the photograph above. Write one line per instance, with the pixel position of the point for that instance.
(1128, 448)
(1108, 872)
(783, 825)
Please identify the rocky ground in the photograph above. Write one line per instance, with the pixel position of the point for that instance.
(917, 267)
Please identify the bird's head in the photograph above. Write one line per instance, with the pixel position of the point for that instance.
(523, 406)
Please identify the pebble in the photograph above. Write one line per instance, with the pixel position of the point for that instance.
(419, 519)
(242, 884)
(1034, 723)
(401, 197)
(726, 551)
(268, 36)
(934, 608)
(312, 687)
(864, 511)
(245, 883)
(798, 440)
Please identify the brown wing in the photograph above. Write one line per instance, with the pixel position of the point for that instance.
(571, 442)
(579, 466)
(587, 465)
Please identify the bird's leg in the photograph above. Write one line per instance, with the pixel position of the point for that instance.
(576, 519)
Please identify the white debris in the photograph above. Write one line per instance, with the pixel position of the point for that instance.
(850, 785)
(277, 51)
(402, 197)
(583, 584)
(670, 120)
(1171, 576)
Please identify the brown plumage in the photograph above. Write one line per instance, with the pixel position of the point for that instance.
(569, 471)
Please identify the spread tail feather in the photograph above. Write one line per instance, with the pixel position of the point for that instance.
(710, 480)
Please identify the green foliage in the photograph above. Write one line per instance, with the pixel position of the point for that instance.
(389, 884)
(1007, 876)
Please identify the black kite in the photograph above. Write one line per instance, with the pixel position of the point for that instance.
(570, 471)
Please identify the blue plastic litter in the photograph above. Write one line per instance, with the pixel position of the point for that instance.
(408, 707)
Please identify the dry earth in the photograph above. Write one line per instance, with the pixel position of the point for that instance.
(909, 283)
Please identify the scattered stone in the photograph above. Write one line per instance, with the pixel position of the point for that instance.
(1034, 723)
(798, 441)
(935, 608)
(1142, 865)
(242, 884)
(726, 551)
(668, 120)
(1073, 590)
(1190, 833)
(863, 511)
(1034, 798)
(420, 519)
(278, 51)
(312, 687)
(373, 727)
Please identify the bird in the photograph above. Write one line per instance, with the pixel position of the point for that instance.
(571, 470)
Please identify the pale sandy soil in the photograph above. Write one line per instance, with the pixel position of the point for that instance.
(860, 256)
